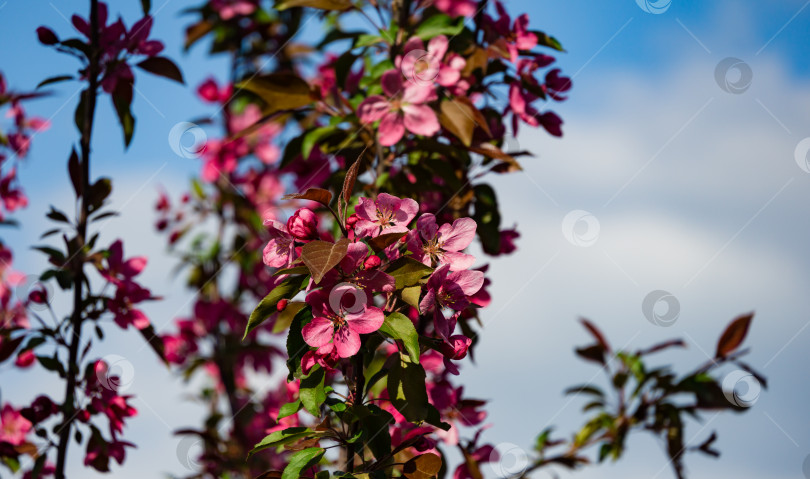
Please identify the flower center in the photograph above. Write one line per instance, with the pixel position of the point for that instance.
(385, 217)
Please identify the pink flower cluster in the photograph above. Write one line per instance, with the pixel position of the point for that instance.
(119, 44)
(15, 147)
(221, 156)
(128, 293)
(103, 398)
(343, 305)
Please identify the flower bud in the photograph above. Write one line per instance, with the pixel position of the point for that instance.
(372, 262)
(83, 415)
(303, 225)
(281, 305)
(47, 36)
(38, 295)
(351, 220)
(25, 359)
(457, 347)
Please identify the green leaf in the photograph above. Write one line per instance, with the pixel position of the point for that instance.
(125, 118)
(312, 393)
(267, 306)
(367, 40)
(57, 215)
(440, 24)
(280, 91)
(548, 41)
(407, 271)
(293, 270)
(374, 423)
(162, 66)
(398, 326)
(406, 389)
(52, 80)
(302, 460)
(289, 409)
(411, 295)
(285, 318)
(282, 437)
(296, 346)
(434, 418)
(488, 218)
(313, 137)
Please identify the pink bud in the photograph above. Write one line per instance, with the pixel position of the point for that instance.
(281, 305)
(372, 262)
(38, 295)
(83, 415)
(457, 347)
(25, 359)
(351, 220)
(303, 225)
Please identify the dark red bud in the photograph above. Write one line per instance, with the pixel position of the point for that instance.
(46, 36)
(282, 303)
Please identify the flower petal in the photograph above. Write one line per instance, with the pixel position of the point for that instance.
(420, 119)
(366, 322)
(391, 129)
(347, 342)
(318, 332)
(460, 235)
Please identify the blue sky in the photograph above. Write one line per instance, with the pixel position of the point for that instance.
(696, 191)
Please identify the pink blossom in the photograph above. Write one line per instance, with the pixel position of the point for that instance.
(508, 238)
(280, 250)
(13, 427)
(434, 245)
(303, 225)
(450, 290)
(339, 324)
(480, 455)
(228, 9)
(425, 68)
(456, 8)
(404, 108)
(42, 408)
(386, 214)
(12, 196)
(352, 269)
(455, 349)
(138, 38)
(512, 37)
(118, 269)
(210, 92)
(127, 295)
(556, 85)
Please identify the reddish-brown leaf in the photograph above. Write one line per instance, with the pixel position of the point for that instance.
(381, 242)
(459, 119)
(269, 475)
(351, 177)
(423, 466)
(319, 195)
(600, 338)
(321, 256)
(510, 164)
(734, 335)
